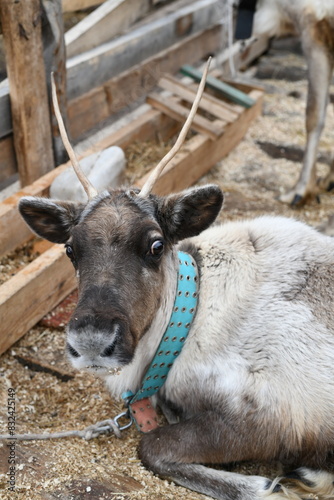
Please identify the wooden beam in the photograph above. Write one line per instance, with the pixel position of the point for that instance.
(21, 24)
(27, 296)
(72, 5)
(208, 103)
(6, 125)
(3, 70)
(98, 65)
(55, 62)
(173, 108)
(107, 21)
(88, 110)
(246, 51)
(8, 165)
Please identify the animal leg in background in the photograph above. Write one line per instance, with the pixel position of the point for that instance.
(320, 69)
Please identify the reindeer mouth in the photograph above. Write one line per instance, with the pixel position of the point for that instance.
(115, 371)
(103, 370)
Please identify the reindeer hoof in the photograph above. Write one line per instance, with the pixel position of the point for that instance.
(277, 488)
(297, 200)
(294, 199)
(291, 198)
(330, 186)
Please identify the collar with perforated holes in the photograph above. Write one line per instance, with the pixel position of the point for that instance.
(170, 346)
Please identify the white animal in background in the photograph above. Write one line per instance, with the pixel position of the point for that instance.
(313, 21)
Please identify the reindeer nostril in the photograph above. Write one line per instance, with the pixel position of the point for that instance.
(108, 350)
(72, 351)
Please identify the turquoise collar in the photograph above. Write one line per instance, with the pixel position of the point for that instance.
(176, 333)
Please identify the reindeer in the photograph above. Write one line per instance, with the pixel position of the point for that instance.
(253, 379)
(313, 21)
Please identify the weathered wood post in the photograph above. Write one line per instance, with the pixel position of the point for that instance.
(22, 34)
(55, 61)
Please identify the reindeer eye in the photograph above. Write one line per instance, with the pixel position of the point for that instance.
(157, 247)
(69, 251)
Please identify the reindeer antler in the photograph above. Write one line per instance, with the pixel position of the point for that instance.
(148, 186)
(86, 184)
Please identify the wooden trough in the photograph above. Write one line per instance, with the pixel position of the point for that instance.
(220, 125)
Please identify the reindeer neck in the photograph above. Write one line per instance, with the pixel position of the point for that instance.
(176, 333)
(131, 375)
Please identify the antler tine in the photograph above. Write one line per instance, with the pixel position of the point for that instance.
(148, 186)
(86, 184)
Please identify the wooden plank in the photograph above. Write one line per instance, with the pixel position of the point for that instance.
(201, 152)
(174, 109)
(227, 91)
(72, 5)
(107, 21)
(229, 112)
(208, 103)
(21, 24)
(246, 51)
(8, 166)
(3, 70)
(27, 296)
(6, 125)
(13, 229)
(55, 62)
(98, 65)
(88, 110)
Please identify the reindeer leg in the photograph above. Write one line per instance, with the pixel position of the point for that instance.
(175, 452)
(320, 68)
(327, 183)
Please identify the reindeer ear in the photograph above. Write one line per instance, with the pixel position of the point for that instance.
(190, 212)
(50, 219)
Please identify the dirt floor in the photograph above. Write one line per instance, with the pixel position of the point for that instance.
(265, 164)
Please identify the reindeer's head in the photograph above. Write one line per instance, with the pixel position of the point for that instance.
(122, 248)
(122, 245)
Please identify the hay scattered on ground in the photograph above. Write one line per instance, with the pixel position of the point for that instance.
(141, 157)
(11, 263)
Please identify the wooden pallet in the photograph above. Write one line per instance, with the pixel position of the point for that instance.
(42, 284)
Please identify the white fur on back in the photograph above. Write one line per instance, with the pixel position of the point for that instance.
(249, 335)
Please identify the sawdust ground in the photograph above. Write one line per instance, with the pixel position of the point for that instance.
(251, 180)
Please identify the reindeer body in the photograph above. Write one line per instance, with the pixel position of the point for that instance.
(255, 378)
(244, 370)
(313, 21)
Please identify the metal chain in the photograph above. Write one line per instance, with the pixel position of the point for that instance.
(90, 432)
